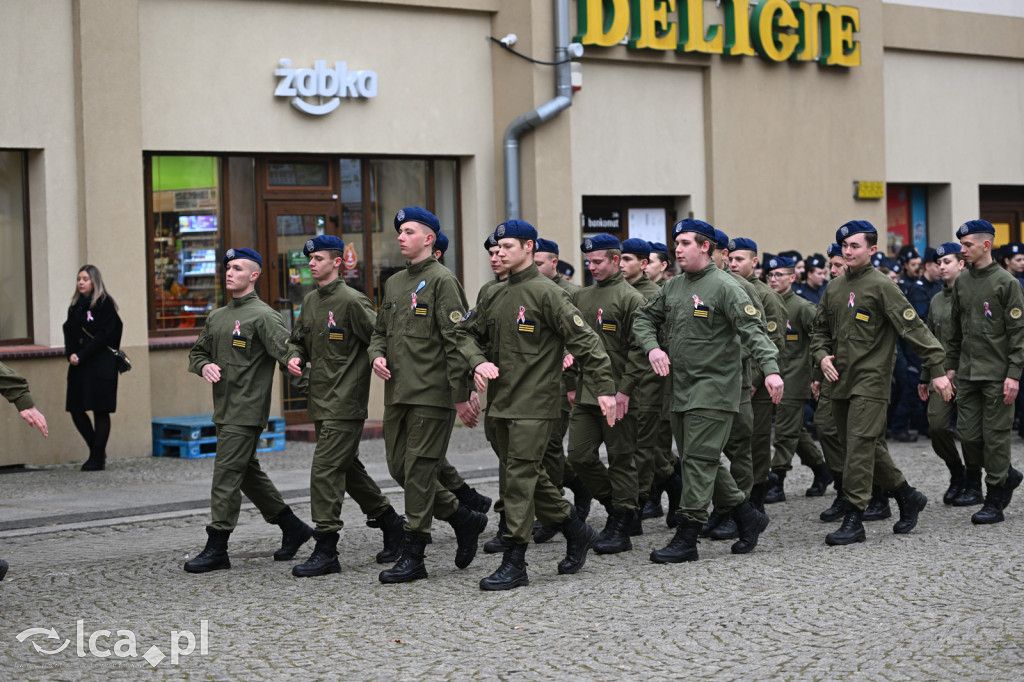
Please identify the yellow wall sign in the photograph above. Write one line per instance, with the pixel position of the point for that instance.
(776, 30)
(868, 190)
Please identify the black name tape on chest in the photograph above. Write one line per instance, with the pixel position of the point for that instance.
(239, 342)
(526, 326)
(421, 310)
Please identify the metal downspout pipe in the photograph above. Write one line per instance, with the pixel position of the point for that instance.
(545, 112)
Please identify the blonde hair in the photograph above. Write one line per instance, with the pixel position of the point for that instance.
(99, 292)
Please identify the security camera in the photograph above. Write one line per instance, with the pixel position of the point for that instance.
(509, 40)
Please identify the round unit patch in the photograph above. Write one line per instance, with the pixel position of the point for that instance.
(772, 326)
(455, 316)
(230, 255)
(577, 320)
(909, 314)
(749, 309)
(1015, 313)
(500, 232)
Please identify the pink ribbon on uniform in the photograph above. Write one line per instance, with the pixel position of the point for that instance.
(238, 328)
(88, 316)
(850, 304)
(413, 300)
(330, 318)
(697, 301)
(988, 311)
(522, 315)
(600, 311)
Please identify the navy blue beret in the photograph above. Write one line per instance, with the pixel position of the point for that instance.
(600, 242)
(929, 255)
(565, 269)
(795, 255)
(778, 263)
(721, 240)
(946, 249)
(490, 242)
(516, 229)
(975, 227)
(815, 260)
(854, 227)
(441, 243)
(690, 225)
(546, 246)
(658, 247)
(637, 247)
(324, 242)
(834, 250)
(742, 244)
(246, 254)
(415, 214)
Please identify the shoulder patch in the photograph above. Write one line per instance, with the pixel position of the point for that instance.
(749, 309)
(455, 316)
(1015, 313)
(772, 326)
(577, 320)
(909, 314)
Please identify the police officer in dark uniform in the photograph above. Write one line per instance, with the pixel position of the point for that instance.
(658, 264)
(236, 352)
(815, 276)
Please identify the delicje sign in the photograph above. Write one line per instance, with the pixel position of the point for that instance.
(324, 83)
(776, 30)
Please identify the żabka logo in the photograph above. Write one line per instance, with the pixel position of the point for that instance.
(327, 85)
(182, 643)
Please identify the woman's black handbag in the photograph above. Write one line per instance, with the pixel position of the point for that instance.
(121, 359)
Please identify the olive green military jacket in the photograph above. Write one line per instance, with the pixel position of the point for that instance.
(245, 338)
(651, 393)
(608, 307)
(940, 318)
(860, 315)
(774, 322)
(566, 286)
(795, 359)
(527, 324)
(750, 368)
(708, 317)
(986, 340)
(14, 388)
(415, 333)
(332, 333)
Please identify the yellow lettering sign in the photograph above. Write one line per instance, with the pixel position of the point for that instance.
(650, 27)
(838, 48)
(599, 27)
(770, 17)
(692, 36)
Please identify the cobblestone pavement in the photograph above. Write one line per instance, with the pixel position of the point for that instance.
(944, 602)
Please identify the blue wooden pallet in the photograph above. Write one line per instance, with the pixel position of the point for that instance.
(207, 447)
(198, 427)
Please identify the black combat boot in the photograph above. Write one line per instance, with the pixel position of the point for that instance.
(757, 496)
(393, 527)
(511, 573)
(542, 534)
(674, 487)
(751, 523)
(579, 538)
(323, 560)
(998, 497)
(294, 534)
(726, 530)
(468, 526)
(608, 520)
(714, 521)
(3, 569)
(911, 502)
(652, 508)
(616, 538)
(472, 499)
(581, 497)
(636, 524)
(1013, 479)
(852, 529)
(822, 479)
(775, 490)
(971, 494)
(957, 478)
(97, 461)
(498, 543)
(683, 546)
(214, 556)
(410, 565)
(838, 508)
(878, 506)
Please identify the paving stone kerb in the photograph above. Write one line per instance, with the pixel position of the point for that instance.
(941, 603)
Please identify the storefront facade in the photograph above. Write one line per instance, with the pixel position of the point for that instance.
(148, 136)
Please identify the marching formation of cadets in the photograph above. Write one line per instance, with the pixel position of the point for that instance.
(849, 345)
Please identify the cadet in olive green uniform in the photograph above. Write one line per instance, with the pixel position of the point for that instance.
(941, 413)
(854, 344)
(515, 340)
(236, 352)
(608, 307)
(742, 261)
(655, 465)
(331, 334)
(795, 363)
(986, 355)
(708, 317)
(413, 351)
(14, 388)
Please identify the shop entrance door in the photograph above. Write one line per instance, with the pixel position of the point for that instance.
(289, 225)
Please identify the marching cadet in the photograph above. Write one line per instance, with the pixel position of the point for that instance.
(515, 342)
(854, 343)
(985, 357)
(413, 350)
(940, 413)
(795, 366)
(14, 388)
(659, 262)
(655, 464)
(236, 352)
(709, 318)
(331, 334)
(743, 261)
(608, 307)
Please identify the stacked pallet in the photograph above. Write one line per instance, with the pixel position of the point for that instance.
(194, 436)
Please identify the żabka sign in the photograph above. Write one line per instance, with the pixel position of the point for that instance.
(776, 30)
(326, 84)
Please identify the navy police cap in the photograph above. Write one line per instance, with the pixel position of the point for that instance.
(975, 227)
(815, 260)
(637, 247)
(890, 263)
(658, 247)
(778, 263)
(565, 269)
(854, 227)
(245, 254)
(516, 229)
(415, 214)
(600, 242)
(742, 244)
(441, 243)
(929, 255)
(691, 225)
(324, 242)
(546, 246)
(795, 255)
(907, 253)
(834, 250)
(946, 249)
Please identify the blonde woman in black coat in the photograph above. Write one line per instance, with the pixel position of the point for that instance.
(93, 327)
